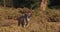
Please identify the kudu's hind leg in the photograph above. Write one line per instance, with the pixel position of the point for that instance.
(22, 23)
(18, 23)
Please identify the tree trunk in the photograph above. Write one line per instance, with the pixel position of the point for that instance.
(4, 3)
(43, 5)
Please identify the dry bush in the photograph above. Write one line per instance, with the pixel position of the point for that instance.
(53, 15)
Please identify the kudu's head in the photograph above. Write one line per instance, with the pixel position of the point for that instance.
(28, 14)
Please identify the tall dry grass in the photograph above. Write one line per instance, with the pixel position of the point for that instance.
(40, 20)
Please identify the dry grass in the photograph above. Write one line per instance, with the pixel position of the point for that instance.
(39, 21)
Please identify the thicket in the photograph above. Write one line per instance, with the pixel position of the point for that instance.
(21, 3)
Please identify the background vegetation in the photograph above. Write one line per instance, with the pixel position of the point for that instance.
(41, 21)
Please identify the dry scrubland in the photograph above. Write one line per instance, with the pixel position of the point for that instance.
(40, 20)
